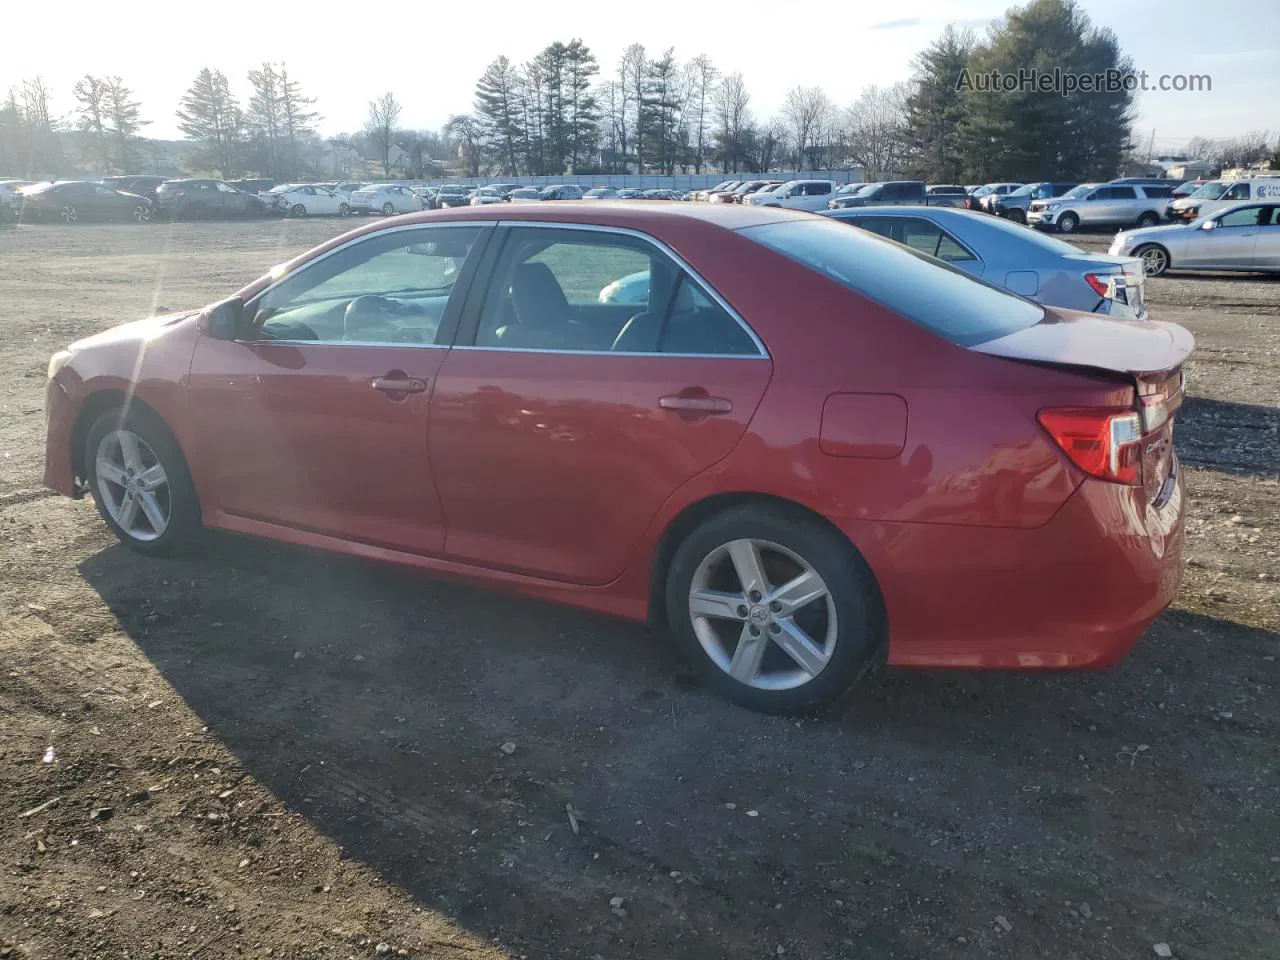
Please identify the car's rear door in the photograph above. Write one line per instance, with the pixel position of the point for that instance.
(1266, 249)
(552, 452)
(317, 417)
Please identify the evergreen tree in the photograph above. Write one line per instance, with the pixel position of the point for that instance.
(90, 94)
(1030, 134)
(297, 123)
(583, 118)
(934, 107)
(124, 121)
(499, 111)
(209, 115)
(264, 120)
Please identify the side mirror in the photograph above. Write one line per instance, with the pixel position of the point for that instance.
(221, 321)
(1209, 225)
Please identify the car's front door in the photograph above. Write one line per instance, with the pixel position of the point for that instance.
(316, 418)
(561, 421)
(1229, 245)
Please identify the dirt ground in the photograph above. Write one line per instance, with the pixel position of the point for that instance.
(264, 752)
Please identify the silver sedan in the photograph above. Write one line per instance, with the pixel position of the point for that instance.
(1024, 261)
(1243, 237)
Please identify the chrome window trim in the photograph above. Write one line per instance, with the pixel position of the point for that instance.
(251, 305)
(697, 278)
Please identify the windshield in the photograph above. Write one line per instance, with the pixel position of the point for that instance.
(1212, 190)
(921, 288)
(1029, 190)
(1075, 193)
(983, 190)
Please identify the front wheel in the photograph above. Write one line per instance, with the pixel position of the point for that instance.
(297, 210)
(344, 210)
(1068, 222)
(1148, 219)
(1018, 215)
(1155, 259)
(779, 612)
(140, 482)
(68, 213)
(142, 213)
(388, 209)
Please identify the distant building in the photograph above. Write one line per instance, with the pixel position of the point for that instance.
(1192, 170)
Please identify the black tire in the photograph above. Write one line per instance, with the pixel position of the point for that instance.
(68, 213)
(859, 635)
(344, 209)
(1148, 219)
(1018, 215)
(184, 526)
(1068, 222)
(388, 209)
(297, 210)
(1155, 259)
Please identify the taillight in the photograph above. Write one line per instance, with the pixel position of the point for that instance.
(1104, 442)
(1099, 284)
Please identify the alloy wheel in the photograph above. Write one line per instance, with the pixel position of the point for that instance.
(763, 614)
(344, 210)
(133, 485)
(388, 209)
(1068, 222)
(142, 213)
(297, 210)
(69, 214)
(1155, 260)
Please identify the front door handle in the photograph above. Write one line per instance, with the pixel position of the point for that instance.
(399, 386)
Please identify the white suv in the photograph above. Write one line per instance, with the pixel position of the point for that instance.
(1219, 194)
(795, 195)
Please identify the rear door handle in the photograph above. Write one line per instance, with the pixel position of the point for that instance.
(403, 385)
(696, 403)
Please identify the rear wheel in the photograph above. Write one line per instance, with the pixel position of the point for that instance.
(778, 611)
(344, 210)
(142, 213)
(297, 210)
(68, 213)
(1155, 259)
(388, 209)
(1148, 219)
(140, 482)
(1068, 222)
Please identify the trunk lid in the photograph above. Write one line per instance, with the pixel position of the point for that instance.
(1149, 354)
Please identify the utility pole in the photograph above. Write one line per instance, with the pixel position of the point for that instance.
(1152, 145)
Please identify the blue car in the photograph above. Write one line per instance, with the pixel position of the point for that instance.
(1023, 261)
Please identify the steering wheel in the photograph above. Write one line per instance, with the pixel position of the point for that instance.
(369, 311)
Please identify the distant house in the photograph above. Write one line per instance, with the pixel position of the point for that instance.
(1192, 170)
(1141, 168)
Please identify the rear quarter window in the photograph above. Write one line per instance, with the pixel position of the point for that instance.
(922, 289)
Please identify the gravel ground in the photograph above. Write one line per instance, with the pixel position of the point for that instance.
(267, 752)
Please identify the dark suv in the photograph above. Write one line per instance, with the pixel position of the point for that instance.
(890, 193)
(205, 198)
(141, 185)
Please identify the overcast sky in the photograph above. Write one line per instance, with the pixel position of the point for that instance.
(431, 59)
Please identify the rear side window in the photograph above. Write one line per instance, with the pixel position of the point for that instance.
(1123, 193)
(926, 291)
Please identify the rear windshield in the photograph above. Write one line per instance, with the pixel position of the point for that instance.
(923, 289)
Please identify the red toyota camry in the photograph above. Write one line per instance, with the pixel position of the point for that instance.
(806, 448)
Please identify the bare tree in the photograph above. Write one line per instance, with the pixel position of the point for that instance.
(380, 128)
(732, 106)
(876, 127)
(804, 110)
(468, 131)
(700, 82)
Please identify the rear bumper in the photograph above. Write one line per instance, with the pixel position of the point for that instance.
(1076, 593)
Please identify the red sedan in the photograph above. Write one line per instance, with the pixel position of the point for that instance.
(807, 449)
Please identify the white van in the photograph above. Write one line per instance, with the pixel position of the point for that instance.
(1218, 194)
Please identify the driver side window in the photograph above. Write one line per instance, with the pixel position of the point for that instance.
(391, 287)
(1246, 217)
